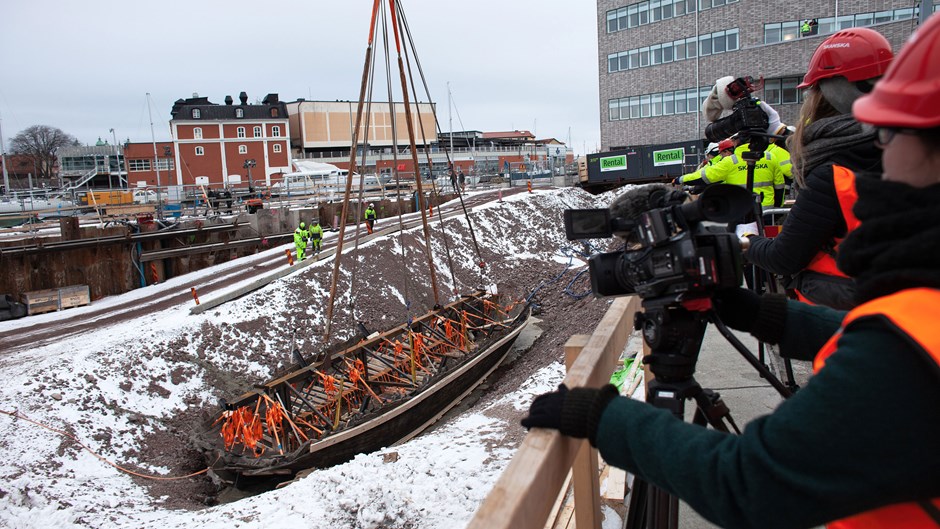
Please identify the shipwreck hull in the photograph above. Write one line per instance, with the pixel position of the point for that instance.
(392, 422)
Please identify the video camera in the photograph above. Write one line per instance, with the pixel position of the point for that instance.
(746, 116)
(674, 253)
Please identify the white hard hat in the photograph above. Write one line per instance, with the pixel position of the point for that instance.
(712, 148)
(371, 204)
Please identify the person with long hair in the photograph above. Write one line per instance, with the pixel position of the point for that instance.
(859, 446)
(826, 148)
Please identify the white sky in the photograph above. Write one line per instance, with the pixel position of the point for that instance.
(87, 66)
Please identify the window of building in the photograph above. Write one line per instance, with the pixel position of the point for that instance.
(667, 52)
(681, 103)
(624, 104)
(200, 151)
(611, 21)
(669, 104)
(613, 63)
(277, 147)
(668, 9)
(613, 109)
(864, 19)
(645, 106)
(719, 42)
(633, 15)
(644, 8)
(239, 113)
(197, 133)
(257, 131)
(656, 10)
(883, 16)
(197, 113)
(276, 131)
(138, 165)
(704, 45)
(679, 49)
(622, 62)
(657, 104)
(240, 132)
(771, 92)
(789, 92)
(825, 25)
(165, 164)
(691, 48)
(634, 107)
(634, 59)
(644, 56)
(790, 30)
(903, 14)
(274, 113)
(656, 54)
(732, 38)
(772, 33)
(845, 22)
(242, 149)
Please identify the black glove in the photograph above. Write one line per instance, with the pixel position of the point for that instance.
(764, 316)
(575, 413)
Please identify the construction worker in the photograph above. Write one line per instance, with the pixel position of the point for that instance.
(300, 240)
(732, 169)
(827, 147)
(316, 236)
(778, 147)
(370, 217)
(857, 447)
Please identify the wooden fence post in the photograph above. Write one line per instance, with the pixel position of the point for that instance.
(587, 489)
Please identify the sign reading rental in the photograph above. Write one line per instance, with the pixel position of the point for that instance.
(613, 163)
(668, 157)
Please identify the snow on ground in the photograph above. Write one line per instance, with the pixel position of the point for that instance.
(133, 392)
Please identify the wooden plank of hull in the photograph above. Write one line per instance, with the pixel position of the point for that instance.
(396, 423)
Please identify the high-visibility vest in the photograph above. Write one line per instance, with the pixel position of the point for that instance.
(844, 181)
(768, 176)
(913, 312)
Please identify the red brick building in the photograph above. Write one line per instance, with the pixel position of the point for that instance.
(216, 143)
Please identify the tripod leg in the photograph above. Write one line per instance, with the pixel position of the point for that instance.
(651, 507)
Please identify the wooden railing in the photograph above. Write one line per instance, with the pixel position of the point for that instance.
(525, 495)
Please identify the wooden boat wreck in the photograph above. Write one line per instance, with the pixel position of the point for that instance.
(381, 391)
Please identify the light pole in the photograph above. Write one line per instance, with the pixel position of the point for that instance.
(248, 165)
(117, 160)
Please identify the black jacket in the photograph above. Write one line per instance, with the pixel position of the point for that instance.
(815, 219)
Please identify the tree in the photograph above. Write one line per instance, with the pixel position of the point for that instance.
(41, 143)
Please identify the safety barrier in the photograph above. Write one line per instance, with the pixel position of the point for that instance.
(526, 492)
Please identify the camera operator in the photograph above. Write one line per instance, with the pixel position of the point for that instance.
(859, 443)
(826, 147)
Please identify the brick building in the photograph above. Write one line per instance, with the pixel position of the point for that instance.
(659, 58)
(213, 143)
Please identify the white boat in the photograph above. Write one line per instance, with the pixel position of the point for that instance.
(312, 177)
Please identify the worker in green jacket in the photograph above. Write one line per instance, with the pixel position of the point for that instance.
(316, 236)
(732, 169)
(370, 217)
(300, 241)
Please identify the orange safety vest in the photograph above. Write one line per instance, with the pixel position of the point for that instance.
(912, 311)
(844, 181)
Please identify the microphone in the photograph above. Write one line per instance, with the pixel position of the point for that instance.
(632, 204)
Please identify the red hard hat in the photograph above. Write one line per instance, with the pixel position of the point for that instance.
(856, 54)
(907, 95)
(724, 145)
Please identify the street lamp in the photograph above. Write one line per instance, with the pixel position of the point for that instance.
(248, 165)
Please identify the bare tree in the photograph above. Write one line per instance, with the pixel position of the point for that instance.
(41, 143)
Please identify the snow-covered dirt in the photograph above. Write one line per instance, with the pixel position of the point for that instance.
(134, 393)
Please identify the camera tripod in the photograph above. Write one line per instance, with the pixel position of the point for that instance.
(674, 331)
(761, 280)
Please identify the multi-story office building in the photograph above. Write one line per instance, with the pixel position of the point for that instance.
(658, 59)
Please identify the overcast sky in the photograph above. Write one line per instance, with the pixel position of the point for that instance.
(87, 66)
